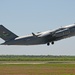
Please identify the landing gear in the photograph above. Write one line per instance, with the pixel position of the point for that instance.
(52, 42)
(49, 43)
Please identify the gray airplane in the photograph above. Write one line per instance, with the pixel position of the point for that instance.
(46, 37)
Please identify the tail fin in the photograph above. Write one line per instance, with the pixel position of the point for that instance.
(5, 34)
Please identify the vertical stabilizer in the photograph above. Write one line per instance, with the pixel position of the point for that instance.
(5, 34)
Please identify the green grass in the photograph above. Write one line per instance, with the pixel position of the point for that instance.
(54, 65)
(37, 58)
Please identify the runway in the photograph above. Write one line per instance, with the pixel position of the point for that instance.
(37, 62)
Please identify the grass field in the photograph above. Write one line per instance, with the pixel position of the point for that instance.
(37, 69)
(36, 58)
(37, 65)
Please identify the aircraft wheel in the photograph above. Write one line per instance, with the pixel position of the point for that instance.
(48, 44)
(52, 42)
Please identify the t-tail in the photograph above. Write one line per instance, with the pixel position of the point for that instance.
(6, 34)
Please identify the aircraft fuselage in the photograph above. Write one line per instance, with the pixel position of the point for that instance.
(43, 37)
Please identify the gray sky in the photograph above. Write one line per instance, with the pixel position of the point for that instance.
(26, 16)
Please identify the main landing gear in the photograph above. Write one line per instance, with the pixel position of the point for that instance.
(49, 43)
(52, 42)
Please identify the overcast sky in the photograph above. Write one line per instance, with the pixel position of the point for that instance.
(26, 16)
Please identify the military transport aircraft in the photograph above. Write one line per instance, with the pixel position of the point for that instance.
(46, 37)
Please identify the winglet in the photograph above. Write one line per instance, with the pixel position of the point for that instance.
(33, 34)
